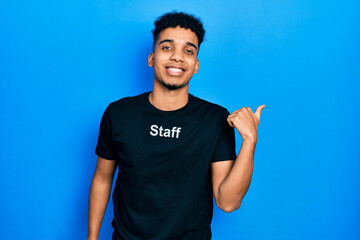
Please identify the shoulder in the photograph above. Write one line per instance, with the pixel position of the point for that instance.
(126, 103)
(211, 107)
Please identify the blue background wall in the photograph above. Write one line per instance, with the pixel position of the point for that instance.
(62, 62)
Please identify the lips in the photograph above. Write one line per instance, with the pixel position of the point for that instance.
(174, 71)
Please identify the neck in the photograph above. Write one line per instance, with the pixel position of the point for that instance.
(168, 100)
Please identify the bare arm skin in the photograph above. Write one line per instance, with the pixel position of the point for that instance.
(232, 180)
(99, 195)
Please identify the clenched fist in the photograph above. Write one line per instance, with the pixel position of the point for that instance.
(246, 122)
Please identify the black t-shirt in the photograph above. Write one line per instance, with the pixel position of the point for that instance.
(164, 188)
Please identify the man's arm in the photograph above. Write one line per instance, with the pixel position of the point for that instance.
(99, 195)
(232, 180)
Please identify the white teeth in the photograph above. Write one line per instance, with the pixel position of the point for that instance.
(175, 70)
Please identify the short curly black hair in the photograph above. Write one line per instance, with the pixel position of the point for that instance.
(174, 19)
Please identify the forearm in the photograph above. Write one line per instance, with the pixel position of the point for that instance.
(98, 200)
(235, 185)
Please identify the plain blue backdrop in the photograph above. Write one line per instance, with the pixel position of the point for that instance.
(62, 62)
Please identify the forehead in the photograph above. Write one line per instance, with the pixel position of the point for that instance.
(178, 34)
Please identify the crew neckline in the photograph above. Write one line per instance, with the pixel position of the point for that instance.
(179, 110)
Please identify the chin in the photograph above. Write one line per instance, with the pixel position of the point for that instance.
(173, 86)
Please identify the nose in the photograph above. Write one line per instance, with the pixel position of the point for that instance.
(177, 56)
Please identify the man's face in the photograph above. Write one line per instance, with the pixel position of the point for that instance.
(175, 57)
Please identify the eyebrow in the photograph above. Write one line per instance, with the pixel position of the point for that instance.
(191, 44)
(171, 40)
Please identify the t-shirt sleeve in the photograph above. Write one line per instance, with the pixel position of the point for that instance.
(225, 146)
(104, 147)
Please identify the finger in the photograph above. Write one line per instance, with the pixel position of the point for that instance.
(258, 111)
(230, 122)
(255, 119)
(234, 112)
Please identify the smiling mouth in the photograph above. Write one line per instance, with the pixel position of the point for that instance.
(175, 71)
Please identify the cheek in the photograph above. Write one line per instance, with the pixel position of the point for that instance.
(193, 65)
(157, 62)
(160, 57)
(157, 69)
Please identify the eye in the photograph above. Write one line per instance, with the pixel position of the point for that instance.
(189, 51)
(166, 48)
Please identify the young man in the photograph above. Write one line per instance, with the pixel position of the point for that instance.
(173, 149)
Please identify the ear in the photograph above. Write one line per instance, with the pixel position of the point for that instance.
(196, 66)
(151, 59)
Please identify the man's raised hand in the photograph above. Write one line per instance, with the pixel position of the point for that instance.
(246, 122)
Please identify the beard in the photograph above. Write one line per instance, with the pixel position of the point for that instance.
(172, 86)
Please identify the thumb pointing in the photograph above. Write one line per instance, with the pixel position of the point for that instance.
(258, 111)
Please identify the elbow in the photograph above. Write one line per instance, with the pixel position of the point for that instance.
(229, 207)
